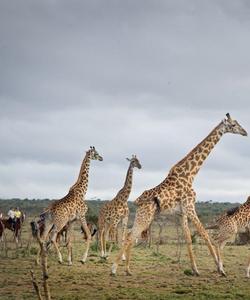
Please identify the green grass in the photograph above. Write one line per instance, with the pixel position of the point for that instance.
(155, 275)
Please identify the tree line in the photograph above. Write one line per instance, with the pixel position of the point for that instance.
(33, 207)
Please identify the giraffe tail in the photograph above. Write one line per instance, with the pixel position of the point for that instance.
(94, 232)
(158, 204)
(34, 229)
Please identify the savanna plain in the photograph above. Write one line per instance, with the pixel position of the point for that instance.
(161, 272)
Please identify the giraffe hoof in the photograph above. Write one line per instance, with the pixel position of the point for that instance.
(46, 276)
(112, 274)
(196, 273)
(70, 263)
(83, 262)
(223, 274)
(128, 273)
(104, 257)
(60, 262)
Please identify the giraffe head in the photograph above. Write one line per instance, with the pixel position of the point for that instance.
(232, 126)
(134, 162)
(94, 154)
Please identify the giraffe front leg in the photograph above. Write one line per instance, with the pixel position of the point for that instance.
(201, 230)
(68, 243)
(124, 230)
(189, 244)
(88, 234)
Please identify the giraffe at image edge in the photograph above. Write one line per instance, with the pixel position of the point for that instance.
(228, 225)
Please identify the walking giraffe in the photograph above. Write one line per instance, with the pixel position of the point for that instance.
(228, 225)
(116, 210)
(70, 208)
(176, 193)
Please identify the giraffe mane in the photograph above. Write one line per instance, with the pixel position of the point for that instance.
(233, 210)
(196, 147)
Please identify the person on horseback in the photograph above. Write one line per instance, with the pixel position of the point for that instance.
(18, 213)
(12, 218)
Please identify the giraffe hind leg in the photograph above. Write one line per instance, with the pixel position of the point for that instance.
(248, 268)
(54, 234)
(88, 234)
(102, 233)
(126, 249)
(189, 244)
(68, 243)
(143, 219)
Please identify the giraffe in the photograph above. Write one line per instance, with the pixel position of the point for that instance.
(228, 225)
(176, 193)
(116, 210)
(70, 208)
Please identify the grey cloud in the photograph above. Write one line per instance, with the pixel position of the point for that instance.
(144, 77)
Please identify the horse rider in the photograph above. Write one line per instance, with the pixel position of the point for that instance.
(18, 214)
(12, 218)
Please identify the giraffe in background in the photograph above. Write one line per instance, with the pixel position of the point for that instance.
(228, 225)
(116, 210)
(176, 193)
(70, 208)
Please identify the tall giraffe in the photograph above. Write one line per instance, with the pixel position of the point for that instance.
(228, 225)
(117, 209)
(176, 193)
(70, 208)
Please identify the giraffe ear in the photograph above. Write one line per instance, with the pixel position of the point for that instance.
(228, 116)
(128, 159)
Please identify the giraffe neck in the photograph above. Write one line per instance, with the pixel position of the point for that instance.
(124, 193)
(190, 165)
(81, 184)
(242, 216)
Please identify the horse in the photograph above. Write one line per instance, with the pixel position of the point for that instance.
(16, 229)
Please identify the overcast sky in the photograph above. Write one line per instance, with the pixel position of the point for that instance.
(151, 78)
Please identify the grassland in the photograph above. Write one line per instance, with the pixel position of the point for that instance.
(155, 275)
